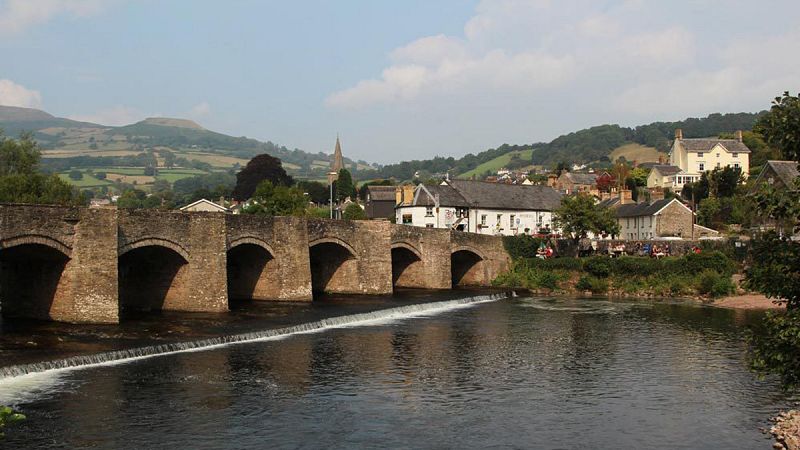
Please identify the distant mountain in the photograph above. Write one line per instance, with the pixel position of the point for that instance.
(82, 144)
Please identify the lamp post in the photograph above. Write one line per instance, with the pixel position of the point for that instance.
(331, 179)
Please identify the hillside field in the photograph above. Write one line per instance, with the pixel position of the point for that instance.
(636, 152)
(496, 163)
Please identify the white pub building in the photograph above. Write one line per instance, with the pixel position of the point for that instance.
(479, 207)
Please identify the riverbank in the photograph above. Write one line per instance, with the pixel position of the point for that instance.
(786, 430)
(747, 301)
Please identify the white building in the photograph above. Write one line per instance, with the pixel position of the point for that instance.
(669, 177)
(480, 207)
(205, 206)
(695, 156)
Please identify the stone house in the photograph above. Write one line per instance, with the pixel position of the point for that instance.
(779, 174)
(695, 156)
(479, 207)
(379, 202)
(657, 219)
(575, 182)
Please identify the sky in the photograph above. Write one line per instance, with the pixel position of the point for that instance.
(397, 80)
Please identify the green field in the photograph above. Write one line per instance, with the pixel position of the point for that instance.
(497, 163)
(86, 182)
(171, 175)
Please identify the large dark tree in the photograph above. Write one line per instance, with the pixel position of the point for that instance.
(260, 168)
(317, 192)
(345, 186)
(781, 126)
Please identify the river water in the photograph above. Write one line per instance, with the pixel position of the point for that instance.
(482, 372)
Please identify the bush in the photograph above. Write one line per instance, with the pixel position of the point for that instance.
(596, 285)
(354, 212)
(776, 348)
(636, 266)
(599, 266)
(546, 280)
(568, 264)
(716, 261)
(521, 246)
(714, 284)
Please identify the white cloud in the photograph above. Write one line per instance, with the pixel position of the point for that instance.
(13, 94)
(115, 116)
(18, 15)
(201, 109)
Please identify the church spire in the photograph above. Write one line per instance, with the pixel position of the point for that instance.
(338, 160)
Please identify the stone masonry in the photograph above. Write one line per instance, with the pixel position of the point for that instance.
(94, 265)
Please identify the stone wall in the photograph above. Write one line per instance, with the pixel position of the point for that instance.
(87, 265)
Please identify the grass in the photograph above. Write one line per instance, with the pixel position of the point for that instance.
(497, 163)
(86, 181)
(636, 152)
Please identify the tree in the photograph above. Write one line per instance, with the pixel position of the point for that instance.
(708, 212)
(354, 212)
(317, 192)
(781, 126)
(260, 168)
(579, 215)
(774, 259)
(21, 181)
(272, 200)
(723, 181)
(75, 175)
(344, 186)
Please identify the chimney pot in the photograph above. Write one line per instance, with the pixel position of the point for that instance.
(678, 133)
(738, 135)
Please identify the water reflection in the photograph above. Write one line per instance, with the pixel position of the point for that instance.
(531, 373)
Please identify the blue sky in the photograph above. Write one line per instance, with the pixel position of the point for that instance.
(397, 80)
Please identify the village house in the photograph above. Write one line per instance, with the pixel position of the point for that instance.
(204, 206)
(695, 156)
(478, 207)
(779, 174)
(380, 202)
(657, 218)
(575, 182)
(663, 176)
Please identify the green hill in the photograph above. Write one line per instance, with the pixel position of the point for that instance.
(493, 165)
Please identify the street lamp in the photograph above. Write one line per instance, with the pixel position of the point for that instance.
(331, 178)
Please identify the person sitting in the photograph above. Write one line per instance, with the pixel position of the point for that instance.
(548, 252)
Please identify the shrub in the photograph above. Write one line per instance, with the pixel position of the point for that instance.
(776, 348)
(596, 285)
(568, 264)
(713, 283)
(521, 246)
(354, 212)
(544, 279)
(598, 266)
(716, 261)
(724, 286)
(636, 266)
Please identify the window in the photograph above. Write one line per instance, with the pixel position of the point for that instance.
(717, 155)
(483, 220)
(499, 218)
(428, 225)
(429, 211)
(511, 220)
(699, 154)
(735, 155)
(702, 167)
(407, 219)
(735, 165)
(718, 165)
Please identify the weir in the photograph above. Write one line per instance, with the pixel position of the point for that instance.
(85, 265)
(123, 356)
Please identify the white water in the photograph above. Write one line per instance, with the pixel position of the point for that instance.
(28, 377)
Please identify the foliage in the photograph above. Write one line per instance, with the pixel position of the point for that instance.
(710, 282)
(354, 212)
(344, 186)
(774, 268)
(138, 199)
(260, 168)
(580, 215)
(272, 200)
(775, 349)
(317, 192)
(319, 212)
(8, 417)
(75, 175)
(599, 266)
(521, 246)
(780, 127)
(707, 212)
(18, 156)
(724, 181)
(589, 283)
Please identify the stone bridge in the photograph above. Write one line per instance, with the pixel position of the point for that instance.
(93, 265)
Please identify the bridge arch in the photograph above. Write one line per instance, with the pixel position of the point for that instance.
(32, 281)
(407, 265)
(252, 270)
(467, 267)
(333, 266)
(153, 275)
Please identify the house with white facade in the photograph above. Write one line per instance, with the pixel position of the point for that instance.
(481, 207)
(664, 218)
(695, 156)
(669, 177)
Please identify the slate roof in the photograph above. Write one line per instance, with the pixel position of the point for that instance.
(642, 209)
(582, 178)
(705, 145)
(785, 170)
(382, 193)
(507, 196)
(447, 197)
(667, 170)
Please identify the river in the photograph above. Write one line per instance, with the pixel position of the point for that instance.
(478, 372)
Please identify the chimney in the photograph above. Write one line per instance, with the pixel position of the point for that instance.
(625, 196)
(678, 133)
(656, 194)
(398, 196)
(408, 194)
(738, 135)
(660, 159)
